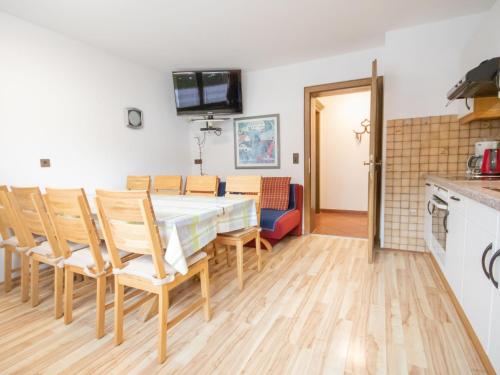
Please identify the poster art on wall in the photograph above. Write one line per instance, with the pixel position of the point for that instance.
(256, 142)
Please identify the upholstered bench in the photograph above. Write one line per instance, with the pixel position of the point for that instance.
(276, 224)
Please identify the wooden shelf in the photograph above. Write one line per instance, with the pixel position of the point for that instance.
(484, 109)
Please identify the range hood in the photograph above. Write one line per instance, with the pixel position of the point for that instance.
(482, 81)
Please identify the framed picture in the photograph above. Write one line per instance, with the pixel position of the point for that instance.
(257, 142)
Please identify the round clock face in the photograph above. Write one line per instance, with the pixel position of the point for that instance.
(134, 118)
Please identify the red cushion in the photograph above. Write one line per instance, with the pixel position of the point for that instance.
(275, 192)
(284, 225)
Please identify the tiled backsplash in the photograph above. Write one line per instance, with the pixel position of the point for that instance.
(416, 147)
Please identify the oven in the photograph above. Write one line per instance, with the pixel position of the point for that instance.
(437, 207)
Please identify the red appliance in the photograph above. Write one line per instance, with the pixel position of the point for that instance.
(491, 161)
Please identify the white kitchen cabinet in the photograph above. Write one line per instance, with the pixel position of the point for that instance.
(455, 243)
(428, 216)
(477, 291)
(494, 336)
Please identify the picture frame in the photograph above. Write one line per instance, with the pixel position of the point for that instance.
(257, 142)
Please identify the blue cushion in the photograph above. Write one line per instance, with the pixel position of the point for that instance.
(269, 218)
(222, 189)
(291, 200)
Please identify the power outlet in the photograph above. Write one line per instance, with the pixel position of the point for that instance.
(45, 163)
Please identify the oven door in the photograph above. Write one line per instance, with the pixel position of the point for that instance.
(439, 222)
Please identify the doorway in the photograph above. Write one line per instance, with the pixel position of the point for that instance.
(342, 140)
(313, 198)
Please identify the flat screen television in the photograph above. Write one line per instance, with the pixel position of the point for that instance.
(208, 92)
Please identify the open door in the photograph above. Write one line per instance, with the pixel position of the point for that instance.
(375, 161)
(312, 165)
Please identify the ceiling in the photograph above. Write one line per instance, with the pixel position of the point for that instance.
(247, 34)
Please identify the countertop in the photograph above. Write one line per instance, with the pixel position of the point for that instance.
(472, 189)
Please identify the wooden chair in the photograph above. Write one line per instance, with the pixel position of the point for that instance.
(70, 213)
(10, 231)
(38, 245)
(169, 185)
(250, 186)
(138, 183)
(129, 224)
(202, 185)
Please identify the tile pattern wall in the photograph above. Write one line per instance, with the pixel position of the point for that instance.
(414, 148)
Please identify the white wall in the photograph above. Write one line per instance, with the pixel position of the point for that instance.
(485, 43)
(64, 100)
(343, 177)
(281, 90)
(421, 64)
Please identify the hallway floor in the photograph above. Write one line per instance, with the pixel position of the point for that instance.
(342, 224)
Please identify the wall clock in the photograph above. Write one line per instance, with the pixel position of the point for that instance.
(134, 118)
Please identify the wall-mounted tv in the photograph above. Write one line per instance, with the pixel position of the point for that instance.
(208, 92)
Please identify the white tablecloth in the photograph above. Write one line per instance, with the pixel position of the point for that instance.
(188, 223)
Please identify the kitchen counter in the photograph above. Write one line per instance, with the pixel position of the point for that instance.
(477, 190)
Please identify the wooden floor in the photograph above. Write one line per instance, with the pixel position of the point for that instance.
(343, 224)
(316, 308)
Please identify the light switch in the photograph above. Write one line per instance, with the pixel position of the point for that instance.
(45, 163)
(295, 158)
(198, 161)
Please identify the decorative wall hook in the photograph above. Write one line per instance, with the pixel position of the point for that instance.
(365, 124)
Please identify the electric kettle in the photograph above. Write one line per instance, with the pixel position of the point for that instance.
(491, 161)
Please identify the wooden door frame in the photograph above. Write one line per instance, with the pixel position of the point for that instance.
(318, 107)
(311, 92)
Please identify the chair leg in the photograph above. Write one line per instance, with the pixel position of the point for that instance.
(7, 270)
(25, 277)
(214, 251)
(259, 252)
(228, 255)
(35, 265)
(239, 264)
(100, 303)
(205, 290)
(58, 291)
(119, 291)
(162, 323)
(68, 295)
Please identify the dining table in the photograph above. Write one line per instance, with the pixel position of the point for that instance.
(188, 223)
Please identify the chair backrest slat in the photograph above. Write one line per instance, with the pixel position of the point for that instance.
(70, 213)
(33, 217)
(170, 185)
(9, 224)
(250, 186)
(202, 185)
(129, 224)
(138, 183)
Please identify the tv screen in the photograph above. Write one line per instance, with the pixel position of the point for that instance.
(210, 91)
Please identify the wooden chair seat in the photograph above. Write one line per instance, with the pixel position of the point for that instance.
(14, 242)
(45, 249)
(144, 268)
(240, 233)
(84, 259)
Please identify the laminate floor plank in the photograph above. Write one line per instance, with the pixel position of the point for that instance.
(317, 307)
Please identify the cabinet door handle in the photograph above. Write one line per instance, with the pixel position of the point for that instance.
(492, 261)
(427, 184)
(483, 258)
(445, 221)
(428, 208)
(455, 198)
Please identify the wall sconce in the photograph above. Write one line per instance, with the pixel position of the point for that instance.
(365, 124)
